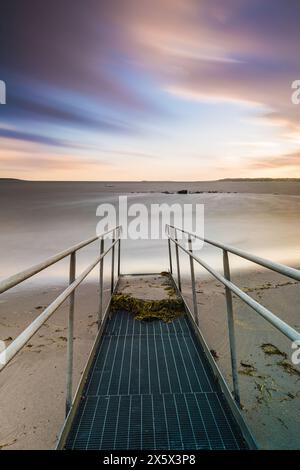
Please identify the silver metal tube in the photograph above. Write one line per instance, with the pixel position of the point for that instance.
(113, 265)
(100, 311)
(170, 255)
(230, 320)
(285, 329)
(119, 257)
(177, 262)
(23, 275)
(69, 386)
(277, 267)
(193, 284)
(7, 355)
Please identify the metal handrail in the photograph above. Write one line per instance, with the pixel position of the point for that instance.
(18, 343)
(16, 279)
(278, 267)
(230, 288)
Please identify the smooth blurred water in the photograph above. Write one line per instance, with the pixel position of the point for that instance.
(37, 221)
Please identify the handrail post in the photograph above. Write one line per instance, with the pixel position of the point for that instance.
(100, 310)
(193, 283)
(177, 262)
(170, 255)
(113, 264)
(230, 320)
(69, 386)
(119, 254)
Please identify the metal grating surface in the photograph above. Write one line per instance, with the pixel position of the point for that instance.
(150, 387)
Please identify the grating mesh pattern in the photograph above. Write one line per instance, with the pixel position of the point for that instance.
(150, 387)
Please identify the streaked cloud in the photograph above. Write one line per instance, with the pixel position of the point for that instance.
(28, 137)
(72, 115)
(160, 80)
(290, 160)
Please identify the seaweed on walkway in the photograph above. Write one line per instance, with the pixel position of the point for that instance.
(165, 309)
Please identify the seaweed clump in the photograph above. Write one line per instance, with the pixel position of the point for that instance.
(288, 367)
(271, 350)
(247, 369)
(166, 309)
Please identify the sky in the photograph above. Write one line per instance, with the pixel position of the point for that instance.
(149, 90)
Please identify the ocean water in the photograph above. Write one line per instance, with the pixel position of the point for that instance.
(38, 220)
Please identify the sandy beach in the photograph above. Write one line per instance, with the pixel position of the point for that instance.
(32, 387)
(269, 383)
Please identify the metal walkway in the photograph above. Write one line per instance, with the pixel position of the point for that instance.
(150, 387)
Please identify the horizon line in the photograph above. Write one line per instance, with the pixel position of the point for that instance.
(229, 179)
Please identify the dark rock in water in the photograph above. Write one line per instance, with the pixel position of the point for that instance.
(182, 191)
